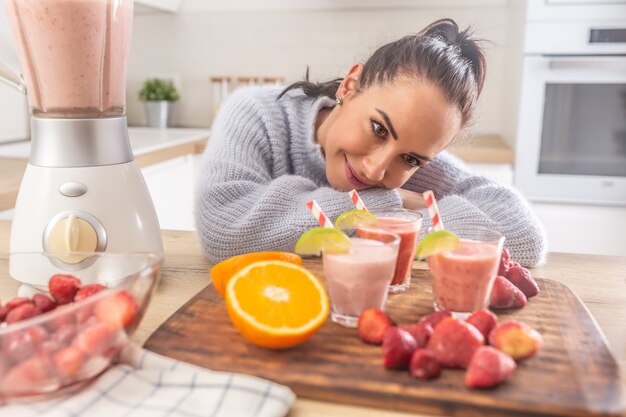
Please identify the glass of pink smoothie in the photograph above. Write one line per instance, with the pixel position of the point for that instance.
(73, 55)
(462, 279)
(359, 278)
(407, 224)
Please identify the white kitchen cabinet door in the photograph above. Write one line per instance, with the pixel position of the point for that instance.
(171, 185)
(595, 230)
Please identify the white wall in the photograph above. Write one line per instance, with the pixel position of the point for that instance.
(203, 41)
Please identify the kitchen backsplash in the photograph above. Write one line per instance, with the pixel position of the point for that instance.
(192, 46)
(197, 45)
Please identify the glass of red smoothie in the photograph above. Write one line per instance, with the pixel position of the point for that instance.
(463, 278)
(407, 224)
(358, 278)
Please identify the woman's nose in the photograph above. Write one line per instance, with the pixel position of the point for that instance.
(375, 166)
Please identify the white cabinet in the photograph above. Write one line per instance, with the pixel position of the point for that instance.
(171, 185)
(596, 230)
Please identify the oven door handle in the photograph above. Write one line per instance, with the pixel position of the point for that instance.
(602, 63)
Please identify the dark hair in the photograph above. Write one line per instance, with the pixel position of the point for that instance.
(440, 53)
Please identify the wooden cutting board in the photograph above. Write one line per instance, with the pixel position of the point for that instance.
(573, 375)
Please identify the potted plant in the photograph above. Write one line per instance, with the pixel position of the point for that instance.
(158, 95)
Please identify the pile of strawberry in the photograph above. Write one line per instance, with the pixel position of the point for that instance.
(513, 286)
(439, 341)
(57, 351)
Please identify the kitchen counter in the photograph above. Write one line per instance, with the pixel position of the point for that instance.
(150, 146)
(600, 282)
(483, 149)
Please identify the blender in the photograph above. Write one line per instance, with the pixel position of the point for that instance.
(82, 191)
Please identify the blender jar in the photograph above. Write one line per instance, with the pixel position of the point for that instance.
(73, 55)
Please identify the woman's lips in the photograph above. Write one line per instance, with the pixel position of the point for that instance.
(352, 177)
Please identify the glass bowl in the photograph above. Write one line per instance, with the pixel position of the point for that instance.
(64, 348)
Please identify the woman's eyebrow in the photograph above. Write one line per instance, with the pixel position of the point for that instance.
(389, 124)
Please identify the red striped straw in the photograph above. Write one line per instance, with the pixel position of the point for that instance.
(433, 210)
(360, 205)
(319, 215)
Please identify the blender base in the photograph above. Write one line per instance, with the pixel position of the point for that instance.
(116, 202)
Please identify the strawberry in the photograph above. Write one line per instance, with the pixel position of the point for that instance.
(489, 367)
(16, 302)
(64, 334)
(22, 312)
(37, 334)
(424, 365)
(3, 313)
(506, 295)
(63, 288)
(484, 321)
(454, 341)
(59, 320)
(435, 318)
(398, 346)
(69, 360)
(94, 339)
(118, 310)
(17, 346)
(372, 325)
(29, 376)
(88, 291)
(521, 278)
(421, 332)
(43, 302)
(505, 262)
(517, 339)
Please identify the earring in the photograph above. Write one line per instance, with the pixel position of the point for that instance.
(338, 101)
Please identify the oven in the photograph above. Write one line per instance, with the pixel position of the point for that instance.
(571, 136)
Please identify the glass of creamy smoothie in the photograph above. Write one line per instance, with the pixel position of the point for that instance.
(359, 278)
(407, 224)
(462, 278)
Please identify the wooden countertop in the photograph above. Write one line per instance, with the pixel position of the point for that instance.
(600, 282)
(150, 146)
(484, 149)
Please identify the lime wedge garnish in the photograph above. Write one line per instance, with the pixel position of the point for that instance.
(313, 241)
(437, 242)
(353, 218)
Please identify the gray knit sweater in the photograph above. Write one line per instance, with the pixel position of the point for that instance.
(262, 165)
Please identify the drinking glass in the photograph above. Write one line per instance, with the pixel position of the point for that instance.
(359, 278)
(463, 278)
(407, 224)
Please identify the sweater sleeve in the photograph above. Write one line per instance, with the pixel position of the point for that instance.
(241, 205)
(463, 197)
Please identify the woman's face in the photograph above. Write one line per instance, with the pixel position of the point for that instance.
(381, 135)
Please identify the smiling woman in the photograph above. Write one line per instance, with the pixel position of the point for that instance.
(382, 129)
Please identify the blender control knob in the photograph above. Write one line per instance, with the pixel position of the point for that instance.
(72, 234)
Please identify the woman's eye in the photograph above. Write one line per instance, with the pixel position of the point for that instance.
(378, 129)
(412, 161)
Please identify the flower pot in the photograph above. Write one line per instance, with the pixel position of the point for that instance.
(158, 113)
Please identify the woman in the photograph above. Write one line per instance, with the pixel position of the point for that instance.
(382, 130)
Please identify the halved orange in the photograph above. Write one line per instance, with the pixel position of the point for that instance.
(276, 304)
(223, 271)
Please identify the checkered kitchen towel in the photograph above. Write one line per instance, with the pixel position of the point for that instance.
(145, 384)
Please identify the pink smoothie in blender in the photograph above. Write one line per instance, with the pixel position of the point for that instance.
(82, 190)
(73, 55)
